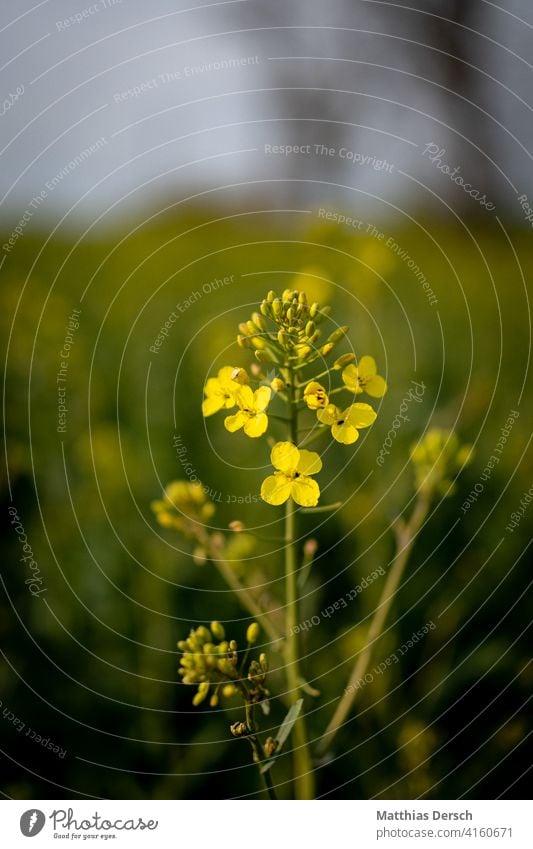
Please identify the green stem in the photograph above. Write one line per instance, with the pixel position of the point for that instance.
(405, 539)
(303, 767)
(258, 751)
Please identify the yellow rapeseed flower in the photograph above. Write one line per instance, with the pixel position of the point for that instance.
(315, 396)
(251, 415)
(363, 377)
(345, 424)
(220, 392)
(291, 480)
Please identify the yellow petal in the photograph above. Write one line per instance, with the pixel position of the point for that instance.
(309, 463)
(233, 423)
(345, 433)
(350, 376)
(256, 425)
(261, 398)
(212, 386)
(285, 456)
(245, 398)
(376, 387)
(224, 374)
(359, 415)
(305, 491)
(329, 415)
(276, 488)
(212, 405)
(367, 367)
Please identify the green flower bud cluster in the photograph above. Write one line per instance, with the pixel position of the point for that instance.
(184, 507)
(212, 662)
(437, 458)
(296, 334)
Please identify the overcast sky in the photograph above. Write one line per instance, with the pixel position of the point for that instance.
(112, 105)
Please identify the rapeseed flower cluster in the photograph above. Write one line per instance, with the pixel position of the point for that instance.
(287, 334)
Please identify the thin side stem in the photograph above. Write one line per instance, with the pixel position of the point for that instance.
(405, 538)
(245, 597)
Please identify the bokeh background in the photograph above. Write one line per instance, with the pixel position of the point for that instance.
(134, 174)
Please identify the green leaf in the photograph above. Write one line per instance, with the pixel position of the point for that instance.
(283, 732)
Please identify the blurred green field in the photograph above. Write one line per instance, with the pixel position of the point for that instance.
(91, 663)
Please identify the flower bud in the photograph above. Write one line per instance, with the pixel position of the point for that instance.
(266, 309)
(310, 328)
(327, 348)
(239, 375)
(263, 662)
(217, 629)
(229, 690)
(265, 356)
(271, 296)
(276, 307)
(343, 360)
(237, 526)
(277, 385)
(213, 701)
(338, 334)
(258, 342)
(243, 327)
(259, 321)
(313, 310)
(239, 729)
(252, 633)
(270, 746)
(302, 298)
(310, 547)
(199, 556)
(201, 694)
